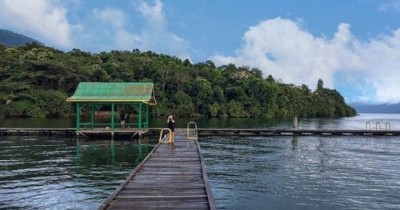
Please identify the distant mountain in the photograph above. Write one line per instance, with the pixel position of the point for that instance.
(379, 108)
(12, 39)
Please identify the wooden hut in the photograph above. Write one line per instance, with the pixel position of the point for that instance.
(115, 97)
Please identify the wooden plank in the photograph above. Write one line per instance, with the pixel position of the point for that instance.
(157, 197)
(166, 184)
(210, 196)
(202, 132)
(131, 174)
(172, 177)
(162, 191)
(159, 205)
(148, 186)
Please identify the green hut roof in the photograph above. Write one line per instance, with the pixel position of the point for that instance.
(120, 92)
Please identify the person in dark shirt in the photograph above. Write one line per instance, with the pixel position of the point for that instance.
(128, 119)
(171, 125)
(122, 118)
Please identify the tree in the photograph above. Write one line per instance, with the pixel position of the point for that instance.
(35, 80)
(320, 85)
(183, 104)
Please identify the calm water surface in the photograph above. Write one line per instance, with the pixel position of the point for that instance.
(62, 173)
(245, 172)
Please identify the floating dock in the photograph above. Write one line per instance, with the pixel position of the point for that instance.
(37, 131)
(131, 132)
(89, 133)
(293, 132)
(172, 176)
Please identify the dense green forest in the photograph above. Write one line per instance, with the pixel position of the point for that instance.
(36, 80)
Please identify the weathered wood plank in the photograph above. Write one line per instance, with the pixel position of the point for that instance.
(166, 184)
(159, 205)
(204, 132)
(162, 191)
(172, 177)
(158, 197)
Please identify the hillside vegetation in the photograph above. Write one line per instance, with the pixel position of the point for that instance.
(36, 80)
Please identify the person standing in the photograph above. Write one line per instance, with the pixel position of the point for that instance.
(171, 125)
(122, 118)
(128, 119)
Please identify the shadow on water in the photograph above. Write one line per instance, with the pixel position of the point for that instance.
(295, 142)
(111, 152)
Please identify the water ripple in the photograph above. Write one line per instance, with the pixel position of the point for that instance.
(46, 173)
(304, 173)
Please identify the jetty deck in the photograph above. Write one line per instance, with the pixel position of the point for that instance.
(130, 132)
(172, 176)
(294, 132)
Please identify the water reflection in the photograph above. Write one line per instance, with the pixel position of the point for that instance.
(63, 173)
(90, 152)
(244, 172)
(295, 141)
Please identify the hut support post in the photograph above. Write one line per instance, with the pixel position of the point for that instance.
(112, 116)
(78, 116)
(92, 108)
(140, 115)
(147, 116)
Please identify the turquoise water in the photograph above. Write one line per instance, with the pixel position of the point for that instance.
(245, 172)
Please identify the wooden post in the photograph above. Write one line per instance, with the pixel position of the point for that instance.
(147, 116)
(295, 122)
(112, 118)
(78, 116)
(368, 126)
(140, 115)
(92, 107)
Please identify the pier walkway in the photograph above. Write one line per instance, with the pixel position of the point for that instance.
(172, 176)
(295, 132)
(130, 132)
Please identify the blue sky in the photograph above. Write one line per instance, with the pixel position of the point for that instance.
(353, 45)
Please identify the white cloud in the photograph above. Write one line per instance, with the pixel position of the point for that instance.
(124, 38)
(44, 19)
(154, 35)
(112, 16)
(153, 13)
(382, 71)
(281, 48)
(391, 5)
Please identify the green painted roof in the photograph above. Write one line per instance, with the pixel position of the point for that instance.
(120, 92)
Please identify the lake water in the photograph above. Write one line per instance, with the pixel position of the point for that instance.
(245, 172)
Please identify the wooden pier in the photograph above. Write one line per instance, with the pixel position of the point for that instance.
(37, 131)
(294, 132)
(117, 133)
(172, 176)
(130, 132)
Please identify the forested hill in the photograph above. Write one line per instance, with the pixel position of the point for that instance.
(12, 39)
(36, 80)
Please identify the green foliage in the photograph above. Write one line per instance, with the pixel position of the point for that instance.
(36, 80)
(37, 103)
(182, 104)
